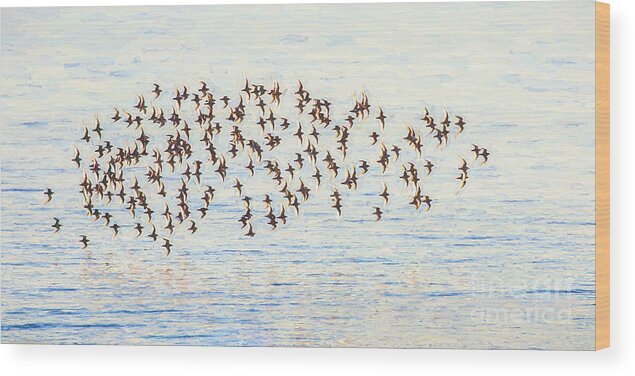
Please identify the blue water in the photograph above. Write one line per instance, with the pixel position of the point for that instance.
(507, 262)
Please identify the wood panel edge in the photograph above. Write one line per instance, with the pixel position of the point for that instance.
(602, 176)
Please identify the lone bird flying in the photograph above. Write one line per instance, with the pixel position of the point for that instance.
(84, 240)
(377, 213)
(57, 225)
(49, 195)
(381, 118)
(157, 91)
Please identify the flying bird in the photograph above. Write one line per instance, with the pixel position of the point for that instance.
(115, 227)
(428, 166)
(459, 123)
(192, 227)
(377, 213)
(374, 136)
(476, 150)
(57, 225)
(157, 91)
(116, 117)
(49, 195)
(77, 159)
(153, 235)
(464, 167)
(84, 240)
(381, 118)
(485, 154)
(167, 245)
(384, 194)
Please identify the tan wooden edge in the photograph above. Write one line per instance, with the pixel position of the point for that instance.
(602, 176)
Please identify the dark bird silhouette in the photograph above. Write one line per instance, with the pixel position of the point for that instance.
(167, 245)
(317, 176)
(141, 105)
(315, 135)
(299, 133)
(116, 117)
(285, 124)
(192, 227)
(299, 160)
(426, 200)
(295, 204)
(106, 218)
(416, 198)
(139, 229)
(337, 201)
(383, 159)
(77, 159)
(439, 136)
(381, 118)
(374, 136)
(197, 101)
(350, 120)
(170, 226)
(246, 89)
(304, 190)
(426, 116)
(157, 91)
(282, 217)
(377, 213)
(290, 170)
(178, 98)
(204, 89)
(428, 166)
(464, 167)
(250, 167)
(115, 227)
(84, 240)
(385, 194)
(86, 136)
(239, 187)
(203, 211)
(459, 123)
(271, 119)
(267, 200)
(129, 120)
(395, 149)
(301, 92)
(247, 201)
(272, 220)
(476, 151)
(153, 235)
(446, 119)
(225, 99)
(364, 166)
(49, 195)
(485, 154)
(405, 176)
(57, 225)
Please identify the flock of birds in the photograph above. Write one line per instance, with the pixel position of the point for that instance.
(109, 176)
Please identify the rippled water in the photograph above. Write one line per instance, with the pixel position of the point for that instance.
(506, 263)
